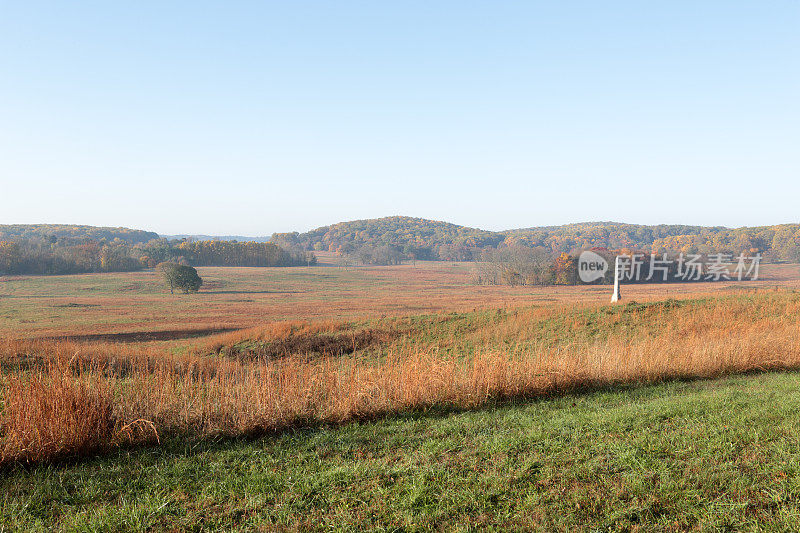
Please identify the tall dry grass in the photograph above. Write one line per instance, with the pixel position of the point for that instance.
(51, 413)
(71, 399)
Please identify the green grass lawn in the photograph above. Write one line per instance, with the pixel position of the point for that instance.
(705, 455)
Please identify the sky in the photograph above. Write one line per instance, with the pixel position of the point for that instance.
(249, 118)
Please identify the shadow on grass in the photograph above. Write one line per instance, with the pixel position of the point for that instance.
(143, 336)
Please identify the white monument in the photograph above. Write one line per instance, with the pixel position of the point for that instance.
(616, 296)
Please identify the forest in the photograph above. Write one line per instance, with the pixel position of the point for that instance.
(64, 249)
(45, 249)
(420, 239)
(51, 232)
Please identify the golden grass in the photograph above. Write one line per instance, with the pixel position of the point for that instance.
(68, 399)
(51, 413)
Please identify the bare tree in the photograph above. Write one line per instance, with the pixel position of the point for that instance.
(514, 265)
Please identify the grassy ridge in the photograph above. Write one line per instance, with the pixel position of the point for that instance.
(703, 455)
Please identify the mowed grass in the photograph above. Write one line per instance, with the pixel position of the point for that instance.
(699, 455)
(40, 306)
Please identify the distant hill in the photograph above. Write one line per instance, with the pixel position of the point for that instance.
(583, 226)
(13, 232)
(601, 234)
(195, 237)
(399, 237)
(431, 239)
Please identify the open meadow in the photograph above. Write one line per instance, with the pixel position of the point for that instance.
(112, 305)
(397, 398)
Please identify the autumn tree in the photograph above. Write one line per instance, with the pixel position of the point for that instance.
(188, 280)
(10, 257)
(182, 277)
(564, 270)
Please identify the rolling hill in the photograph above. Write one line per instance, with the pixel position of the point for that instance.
(437, 240)
(14, 232)
(431, 239)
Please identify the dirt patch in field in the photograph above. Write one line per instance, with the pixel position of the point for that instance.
(143, 336)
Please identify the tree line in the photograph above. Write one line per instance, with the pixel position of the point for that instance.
(61, 249)
(223, 253)
(520, 265)
(75, 255)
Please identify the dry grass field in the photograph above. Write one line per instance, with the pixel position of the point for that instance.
(112, 363)
(232, 298)
(65, 398)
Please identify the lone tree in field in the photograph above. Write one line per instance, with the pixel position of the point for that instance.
(182, 277)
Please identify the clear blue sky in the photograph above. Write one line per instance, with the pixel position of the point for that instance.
(254, 117)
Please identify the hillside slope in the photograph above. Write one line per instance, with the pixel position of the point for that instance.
(13, 232)
(428, 237)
